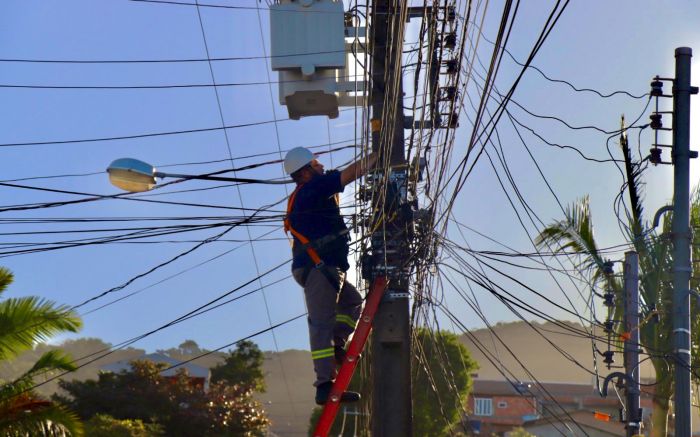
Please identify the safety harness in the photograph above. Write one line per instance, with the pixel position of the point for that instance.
(306, 243)
(308, 246)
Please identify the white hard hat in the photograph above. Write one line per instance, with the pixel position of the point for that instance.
(297, 158)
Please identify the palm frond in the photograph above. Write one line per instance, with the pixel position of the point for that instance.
(633, 175)
(6, 279)
(574, 235)
(51, 360)
(29, 416)
(27, 320)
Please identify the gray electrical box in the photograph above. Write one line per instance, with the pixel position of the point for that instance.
(307, 35)
(308, 51)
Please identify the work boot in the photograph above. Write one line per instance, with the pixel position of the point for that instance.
(323, 391)
(340, 354)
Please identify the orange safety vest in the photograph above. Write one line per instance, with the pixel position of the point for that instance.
(302, 239)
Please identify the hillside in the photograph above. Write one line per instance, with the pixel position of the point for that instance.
(541, 359)
(573, 362)
(289, 374)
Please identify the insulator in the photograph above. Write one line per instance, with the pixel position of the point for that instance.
(655, 156)
(451, 66)
(609, 299)
(657, 88)
(450, 41)
(656, 121)
(608, 357)
(608, 326)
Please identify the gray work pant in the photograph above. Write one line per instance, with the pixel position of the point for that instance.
(332, 316)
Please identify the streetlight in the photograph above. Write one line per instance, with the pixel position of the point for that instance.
(134, 175)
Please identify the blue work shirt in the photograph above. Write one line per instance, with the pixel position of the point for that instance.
(316, 214)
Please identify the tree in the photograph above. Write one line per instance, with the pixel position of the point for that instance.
(574, 234)
(178, 404)
(78, 347)
(186, 350)
(242, 366)
(441, 382)
(102, 425)
(519, 432)
(189, 347)
(24, 322)
(190, 350)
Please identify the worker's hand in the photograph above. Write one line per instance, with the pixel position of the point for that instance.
(358, 169)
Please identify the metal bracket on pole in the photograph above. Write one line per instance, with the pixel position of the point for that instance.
(657, 216)
(393, 295)
(606, 381)
(355, 32)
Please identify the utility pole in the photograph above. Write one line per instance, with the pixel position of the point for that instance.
(391, 355)
(681, 239)
(631, 322)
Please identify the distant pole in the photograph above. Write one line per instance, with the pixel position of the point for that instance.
(631, 322)
(391, 353)
(681, 239)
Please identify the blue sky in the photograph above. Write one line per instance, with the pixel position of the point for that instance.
(597, 44)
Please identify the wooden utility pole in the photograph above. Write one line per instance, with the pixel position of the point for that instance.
(391, 355)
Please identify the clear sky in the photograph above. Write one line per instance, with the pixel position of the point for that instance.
(597, 44)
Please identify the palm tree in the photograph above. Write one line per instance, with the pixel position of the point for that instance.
(24, 322)
(574, 234)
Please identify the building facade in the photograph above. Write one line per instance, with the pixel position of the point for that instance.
(497, 407)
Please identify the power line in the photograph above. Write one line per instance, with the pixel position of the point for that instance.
(147, 135)
(155, 87)
(216, 161)
(210, 5)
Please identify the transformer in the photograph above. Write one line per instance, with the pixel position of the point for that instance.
(309, 53)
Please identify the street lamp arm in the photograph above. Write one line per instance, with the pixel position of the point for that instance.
(136, 176)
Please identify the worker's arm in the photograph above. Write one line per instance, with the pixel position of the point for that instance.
(357, 169)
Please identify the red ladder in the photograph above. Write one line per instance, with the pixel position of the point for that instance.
(359, 338)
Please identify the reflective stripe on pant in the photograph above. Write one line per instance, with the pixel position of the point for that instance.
(332, 316)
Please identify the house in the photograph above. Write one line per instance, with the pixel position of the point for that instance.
(575, 424)
(198, 375)
(497, 406)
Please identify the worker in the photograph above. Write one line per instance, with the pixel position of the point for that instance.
(320, 261)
